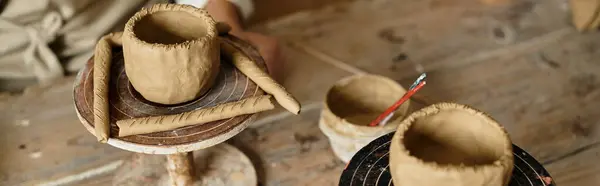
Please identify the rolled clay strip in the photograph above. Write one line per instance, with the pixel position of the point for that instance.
(169, 122)
(594, 24)
(584, 12)
(102, 60)
(452, 145)
(261, 78)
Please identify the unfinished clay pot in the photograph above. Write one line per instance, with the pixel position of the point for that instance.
(171, 52)
(452, 145)
(351, 104)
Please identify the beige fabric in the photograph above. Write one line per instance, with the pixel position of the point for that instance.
(29, 27)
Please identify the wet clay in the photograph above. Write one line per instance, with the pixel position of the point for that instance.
(454, 145)
(171, 52)
(103, 55)
(262, 79)
(169, 122)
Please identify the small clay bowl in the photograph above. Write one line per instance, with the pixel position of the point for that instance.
(351, 104)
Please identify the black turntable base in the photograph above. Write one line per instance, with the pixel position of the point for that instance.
(369, 166)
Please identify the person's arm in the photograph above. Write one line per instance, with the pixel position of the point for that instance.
(233, 12)
(225, 11)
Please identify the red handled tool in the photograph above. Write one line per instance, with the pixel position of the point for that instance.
(387, 115)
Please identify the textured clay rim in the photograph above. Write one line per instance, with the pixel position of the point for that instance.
(504, 159)
(201, 14)
(343, 123)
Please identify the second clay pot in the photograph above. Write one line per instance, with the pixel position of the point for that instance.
(452, 145)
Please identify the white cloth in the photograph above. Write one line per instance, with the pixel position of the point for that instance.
(41, 39)
(36, 35)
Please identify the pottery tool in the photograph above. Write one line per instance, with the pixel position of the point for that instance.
(370, 166)
(382, 119)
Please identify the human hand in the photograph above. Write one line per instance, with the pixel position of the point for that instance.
(269, 49)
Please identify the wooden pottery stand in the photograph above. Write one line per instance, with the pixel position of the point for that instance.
(221, 164)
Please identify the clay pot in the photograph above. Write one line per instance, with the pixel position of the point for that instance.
(351, 104)
(171, 52)
(452, 145)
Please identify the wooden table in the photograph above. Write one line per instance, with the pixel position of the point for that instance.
(542, 85)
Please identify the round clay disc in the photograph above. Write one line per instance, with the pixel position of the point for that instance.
(125, 102)
(370, 166)
(220, 165)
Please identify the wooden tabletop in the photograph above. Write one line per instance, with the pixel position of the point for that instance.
(543, 87)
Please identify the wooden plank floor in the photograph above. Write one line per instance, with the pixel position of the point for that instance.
(523, 64)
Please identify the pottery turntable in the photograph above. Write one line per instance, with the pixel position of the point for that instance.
(390, 159)
(370, 166)
(173, 89)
